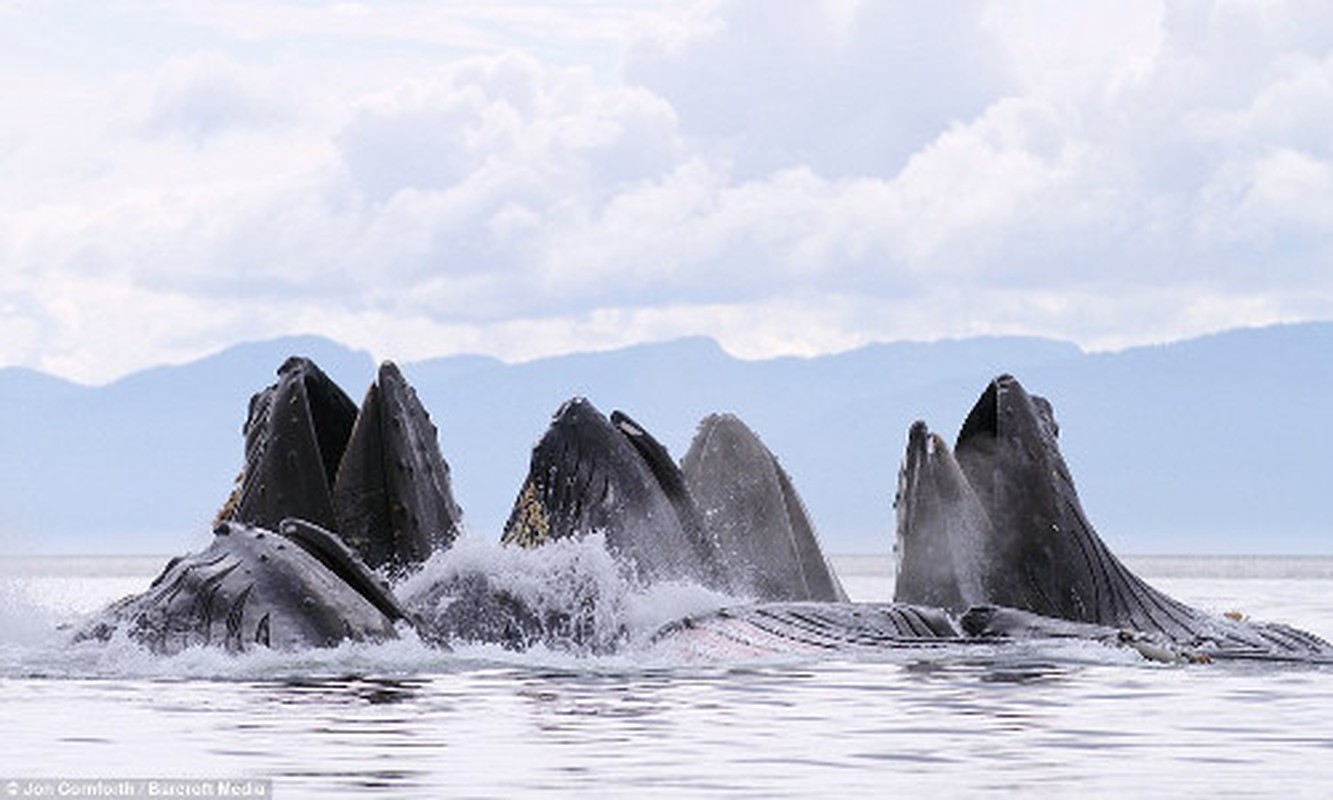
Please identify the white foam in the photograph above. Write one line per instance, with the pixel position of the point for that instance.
(576, 576)
(23, 619)
(37, 623)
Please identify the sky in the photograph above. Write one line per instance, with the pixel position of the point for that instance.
(525, 179)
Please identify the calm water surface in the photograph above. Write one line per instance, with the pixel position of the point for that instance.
(406, 721)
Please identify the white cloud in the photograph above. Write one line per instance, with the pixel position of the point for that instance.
(848, 89)
(421, 179)
(207, 94)
(1280, 200)
(1086, 52)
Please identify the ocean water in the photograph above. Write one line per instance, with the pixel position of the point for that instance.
(403, 720)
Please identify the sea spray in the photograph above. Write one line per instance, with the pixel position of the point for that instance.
(568, 595)
(23, 619)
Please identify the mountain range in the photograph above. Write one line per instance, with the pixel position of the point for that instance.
(1221, 444)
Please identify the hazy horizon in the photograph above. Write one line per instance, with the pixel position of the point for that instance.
(1163, 441)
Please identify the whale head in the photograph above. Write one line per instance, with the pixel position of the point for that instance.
(590, 474)
(754, 515)
(1043, 555)
(295, 434)
(392, 496)
(942, 530)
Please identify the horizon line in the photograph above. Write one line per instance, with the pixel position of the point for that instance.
(376, 358)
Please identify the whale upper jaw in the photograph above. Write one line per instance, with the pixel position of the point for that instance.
(295, 434)
(1041, 553)
(392, 497)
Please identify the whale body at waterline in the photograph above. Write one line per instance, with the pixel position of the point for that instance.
(293, 587)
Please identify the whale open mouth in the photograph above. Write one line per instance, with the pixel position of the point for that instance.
(375, 474)
(295, 435)
(984, 418)
(331, 415)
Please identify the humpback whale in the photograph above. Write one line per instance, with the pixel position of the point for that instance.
(328, 493)
(298, 587)
(997, 526)
(588, 475)
(591, 474)
(373, 475)
(752, 511)
(392, 497)
(942, 530)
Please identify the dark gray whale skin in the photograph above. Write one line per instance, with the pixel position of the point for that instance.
(328, 492)
(766, 629)
(254, 588)
(392, 496)
(588, 474)
(942, 529)
(752, 511)
(295, 434)
(375, 475)
(591, 475)
(1002, 526)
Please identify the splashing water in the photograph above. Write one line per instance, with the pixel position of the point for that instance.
(481, 600)
(582, 612)
(567, 595)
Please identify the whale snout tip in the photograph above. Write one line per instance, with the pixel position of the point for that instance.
(923, 442)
